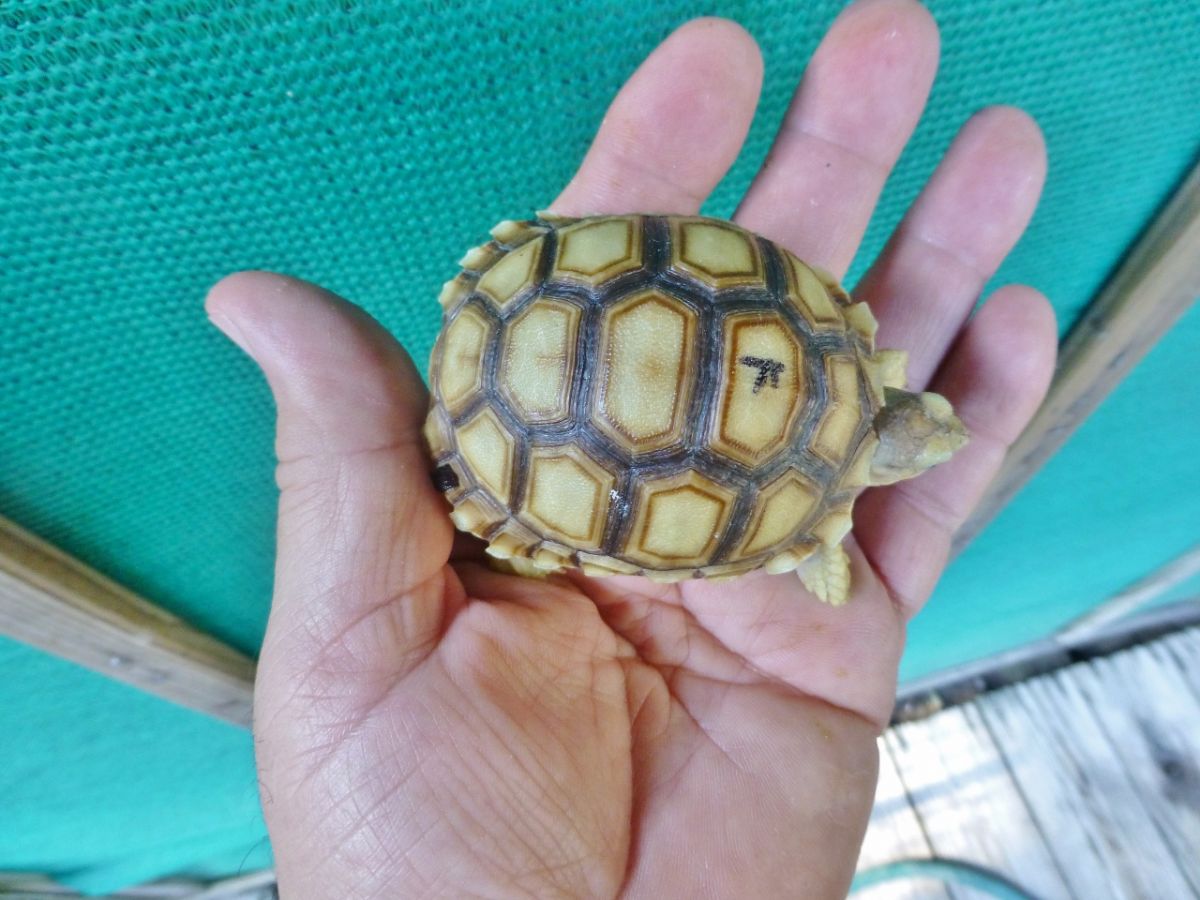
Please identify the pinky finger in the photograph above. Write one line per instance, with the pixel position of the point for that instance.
(995, 375)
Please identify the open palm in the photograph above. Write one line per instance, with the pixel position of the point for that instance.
(427, 726)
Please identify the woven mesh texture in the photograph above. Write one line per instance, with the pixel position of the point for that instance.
(147, 148)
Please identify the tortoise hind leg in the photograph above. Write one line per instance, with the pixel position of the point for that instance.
(826, 573)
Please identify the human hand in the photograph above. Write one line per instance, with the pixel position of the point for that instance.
(427, 726)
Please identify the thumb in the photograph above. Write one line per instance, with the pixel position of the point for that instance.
(363, 536)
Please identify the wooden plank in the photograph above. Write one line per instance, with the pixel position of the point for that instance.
(254, 886)
(1152, 720)
(1157, 282)
(968, 803)
(895, 834)
(1080, 793)
(58, 604)
(1182, 650)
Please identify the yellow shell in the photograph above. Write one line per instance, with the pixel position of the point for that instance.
(669, 396)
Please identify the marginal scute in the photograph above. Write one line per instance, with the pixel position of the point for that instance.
(782, 507)
(678, 520)
(873, 375)
(460, 367)
(550, 559)
(858, 473)
(596, 565)
(834, 525)
(715, 253)
(455, 291)
(860, 318)
(478, 258)
(789, 559)
(810, 296)
(555, 219)
(646, 370)
(893, 367)
(669, 576)
(512, 232)
(437, 432)
(512, 540)
(761, 389)
(509, 277)
(832, 285)
(598, 250)
(538, 359)
(568, 495)
(489, 450)
(843, 410)
(476, 513)
(725, 572)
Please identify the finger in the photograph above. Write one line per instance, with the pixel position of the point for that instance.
(861, 97)
(957, 233)
(995, 376)
(360, 523)
(675, 128)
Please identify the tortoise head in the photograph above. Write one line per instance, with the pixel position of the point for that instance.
(916, 432)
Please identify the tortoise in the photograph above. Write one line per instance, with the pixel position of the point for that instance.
(669, 396)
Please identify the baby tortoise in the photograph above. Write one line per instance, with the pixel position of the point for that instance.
(667, 396)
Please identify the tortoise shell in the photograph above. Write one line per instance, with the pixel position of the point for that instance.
(670, 396)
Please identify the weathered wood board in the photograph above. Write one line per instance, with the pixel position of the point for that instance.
(56, 603)
(1083, 783)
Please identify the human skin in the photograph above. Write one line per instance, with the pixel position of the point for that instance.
(425, 726)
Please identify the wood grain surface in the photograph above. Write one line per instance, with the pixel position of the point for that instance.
(56, 603)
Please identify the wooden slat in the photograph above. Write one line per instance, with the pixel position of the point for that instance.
(1152, 721)
(969, 806)
(1153, 287)
(1183, 651)
(58, 604)
(1081, 783)
(895, 833)
(1080, 792)
(254, 886)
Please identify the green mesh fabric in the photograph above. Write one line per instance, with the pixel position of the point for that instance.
(147, 148)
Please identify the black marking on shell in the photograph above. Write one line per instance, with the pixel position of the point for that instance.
(445, 479)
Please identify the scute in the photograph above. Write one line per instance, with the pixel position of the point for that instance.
(488, 448)
(568, 495)
(645, 370)
(538, 359)
(763, 387)
(508, 279)
(782, 507)
(715, 253)
(843, 409)
(460, 370)
(678, 520)
(808, 293)
(597, 250)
